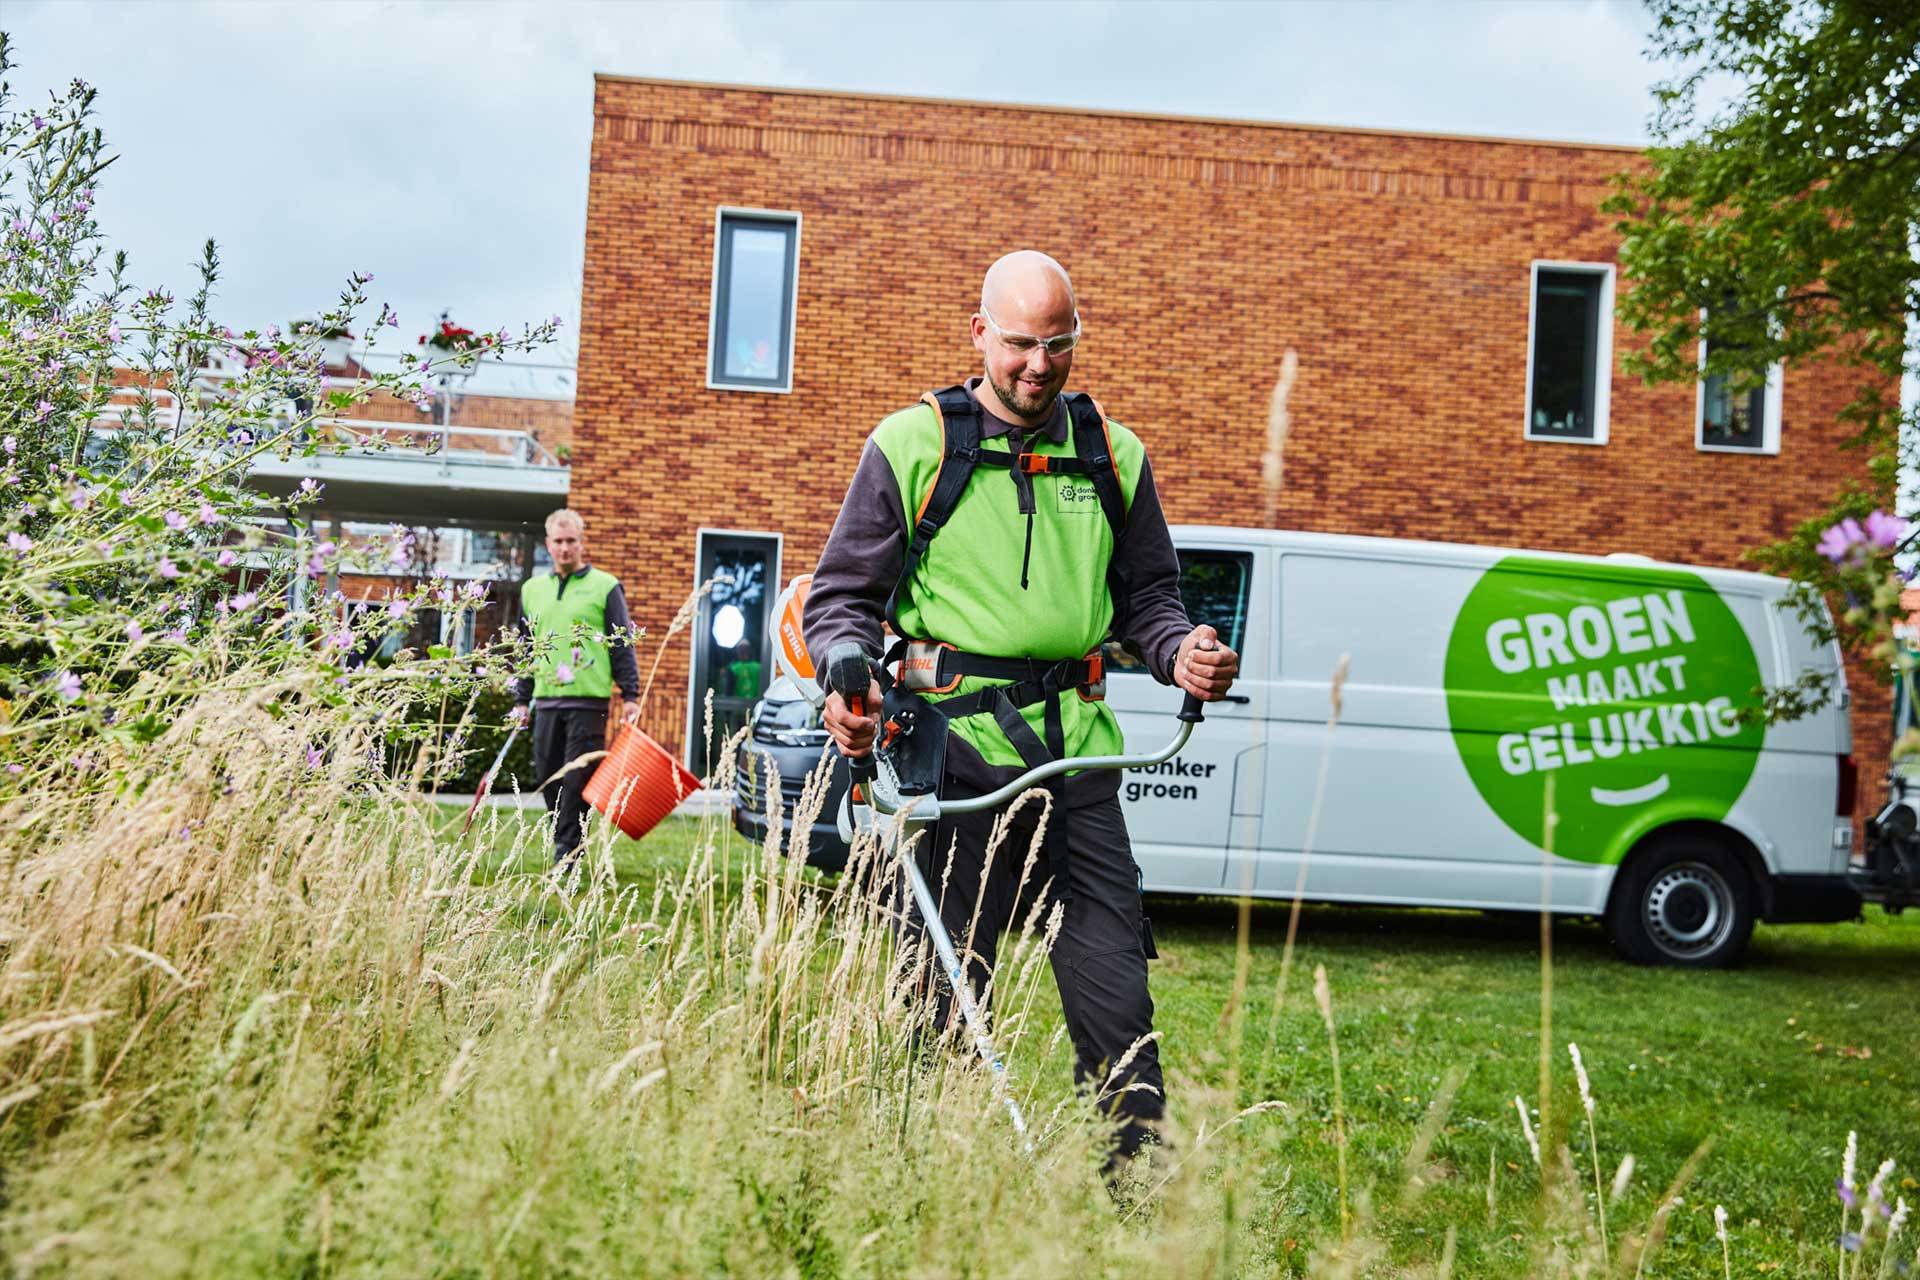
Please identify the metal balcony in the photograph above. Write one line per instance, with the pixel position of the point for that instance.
(417, 474)
(409, 472)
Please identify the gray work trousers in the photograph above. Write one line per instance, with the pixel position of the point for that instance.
(1099, 957)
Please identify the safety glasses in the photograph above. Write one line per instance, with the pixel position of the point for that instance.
(1024, 343)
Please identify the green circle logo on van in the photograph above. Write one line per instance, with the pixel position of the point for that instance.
(1621, 684)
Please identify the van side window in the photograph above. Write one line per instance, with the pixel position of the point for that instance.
(1214, 586)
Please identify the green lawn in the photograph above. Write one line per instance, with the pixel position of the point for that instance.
(1774, 1062)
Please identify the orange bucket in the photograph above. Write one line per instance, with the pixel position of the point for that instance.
(638, 783)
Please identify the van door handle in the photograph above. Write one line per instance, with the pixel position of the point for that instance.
(1241, 698)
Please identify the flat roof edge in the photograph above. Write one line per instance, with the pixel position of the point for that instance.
(1251, 536)
(1117, 114)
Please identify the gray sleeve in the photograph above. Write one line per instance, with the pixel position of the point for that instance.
(1156, 617)
(860, 565)
(626, 668)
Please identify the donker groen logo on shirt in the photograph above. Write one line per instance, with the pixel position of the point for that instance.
(1623, 685)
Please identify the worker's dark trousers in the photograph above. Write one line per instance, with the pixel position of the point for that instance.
(1099, 958)
(561, 734)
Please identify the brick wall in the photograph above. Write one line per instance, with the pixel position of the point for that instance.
(1396, 265)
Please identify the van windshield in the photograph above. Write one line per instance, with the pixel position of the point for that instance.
(1214, 588)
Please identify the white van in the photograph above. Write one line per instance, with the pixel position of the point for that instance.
(1517, 729)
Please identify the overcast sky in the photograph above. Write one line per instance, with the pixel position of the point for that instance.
(443, 146)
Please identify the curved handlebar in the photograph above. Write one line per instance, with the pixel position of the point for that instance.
(994, 799)
(848, 673)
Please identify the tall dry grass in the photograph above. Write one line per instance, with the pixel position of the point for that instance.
(262, 1011)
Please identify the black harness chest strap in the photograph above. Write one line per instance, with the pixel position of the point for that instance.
(960, 423)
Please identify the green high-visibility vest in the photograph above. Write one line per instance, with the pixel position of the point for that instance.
(966, 589)
(570, 630)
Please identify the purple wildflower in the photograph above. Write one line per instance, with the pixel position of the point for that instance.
(474, 591)
(208, 515)
(245, 600)
(20, 542)
(397, 608)
(10, 445)
(39, 122)
(310, 488)
(341, 639)
(175, 521)
(1839, 540)
(135, 632)
(314, 757)
(225, 558)
(562, 674)
(1884, 532)
(42, 408)
(1847, 1195)
(555, 322)
(67, 685)
(168, 569)
(1850, 1242)
(16, 768)
(113, 333)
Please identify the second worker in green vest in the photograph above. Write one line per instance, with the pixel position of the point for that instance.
(1009, 530)
(576, 619)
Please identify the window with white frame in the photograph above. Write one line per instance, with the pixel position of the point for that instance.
(756, 256)
(1570, 351)
(1735, 414)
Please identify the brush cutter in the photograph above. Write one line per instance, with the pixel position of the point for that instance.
(900, 775)
(486, 780)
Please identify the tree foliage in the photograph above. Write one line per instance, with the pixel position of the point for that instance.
(1781, 227)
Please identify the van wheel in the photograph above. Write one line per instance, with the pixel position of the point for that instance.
(1685, 902)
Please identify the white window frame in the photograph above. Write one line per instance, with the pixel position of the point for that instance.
(1603, 351)
(720, 216)
(1771, 404)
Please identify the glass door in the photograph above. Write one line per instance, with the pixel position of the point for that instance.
(731, 659)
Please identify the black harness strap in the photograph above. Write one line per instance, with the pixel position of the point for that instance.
(960, 424)
(1092, 451)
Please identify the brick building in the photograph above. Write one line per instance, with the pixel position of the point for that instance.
(1450, 299)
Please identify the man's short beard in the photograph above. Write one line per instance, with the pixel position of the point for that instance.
(1006, 398)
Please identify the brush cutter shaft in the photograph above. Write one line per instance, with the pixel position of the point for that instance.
(963, 992)
(486, 780)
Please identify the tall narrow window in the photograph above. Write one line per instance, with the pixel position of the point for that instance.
(756, 256)
(1570, 351)
(1738, 419)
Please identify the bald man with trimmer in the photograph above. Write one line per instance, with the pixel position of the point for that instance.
(1006, 531)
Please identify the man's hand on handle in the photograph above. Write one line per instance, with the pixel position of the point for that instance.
(1203, 666)
(630, 711)
(852, 734)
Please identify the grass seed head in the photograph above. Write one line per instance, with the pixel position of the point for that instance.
(1526, 1127)
(1580, 1074)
